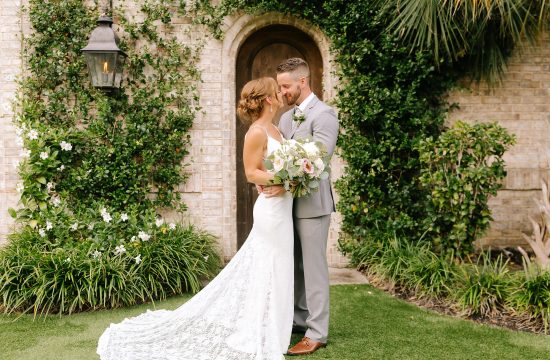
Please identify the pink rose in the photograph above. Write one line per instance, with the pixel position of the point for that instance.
(307, 167)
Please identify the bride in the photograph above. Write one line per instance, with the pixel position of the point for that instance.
(245, 313)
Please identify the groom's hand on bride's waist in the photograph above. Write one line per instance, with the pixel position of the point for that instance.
(271, 190)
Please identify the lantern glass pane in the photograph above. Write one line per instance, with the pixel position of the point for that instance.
(102, 68)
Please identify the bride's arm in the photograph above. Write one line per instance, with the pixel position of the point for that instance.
(253, 157)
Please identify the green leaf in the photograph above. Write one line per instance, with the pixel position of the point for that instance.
(12, 212)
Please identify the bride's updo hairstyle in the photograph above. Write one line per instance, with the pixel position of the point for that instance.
(252, 99)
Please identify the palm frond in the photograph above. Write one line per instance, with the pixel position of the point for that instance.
(480, 32)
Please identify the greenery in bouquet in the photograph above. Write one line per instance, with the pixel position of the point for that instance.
(299, 165)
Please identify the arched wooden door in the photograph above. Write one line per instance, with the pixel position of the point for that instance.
(259, 56)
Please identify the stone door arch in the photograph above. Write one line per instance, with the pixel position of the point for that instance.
(259, 56)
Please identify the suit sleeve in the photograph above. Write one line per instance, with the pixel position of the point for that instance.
(325, 129)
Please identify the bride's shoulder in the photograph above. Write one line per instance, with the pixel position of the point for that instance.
(256, 134)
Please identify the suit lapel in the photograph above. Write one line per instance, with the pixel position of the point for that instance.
(307, 111)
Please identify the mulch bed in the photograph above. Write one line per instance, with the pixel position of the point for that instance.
(504, 318)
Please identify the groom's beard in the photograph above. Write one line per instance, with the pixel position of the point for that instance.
(293, 97)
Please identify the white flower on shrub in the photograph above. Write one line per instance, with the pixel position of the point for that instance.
(18, 141)
(206, 258)
(61, 168)
(90, 226)
(133, 238)
(74, 226)
(124, 217)
(105, 215)
(33, 134)
(120, 249)
(42, 232)
(138, 259)
(50, 185)
(68, 260)
(44, 155)
(159, 222)
(56, 201)
(172, 226)
(96, 254)
(19, 131)
(144, 236)
(66, 146)
(20, 187)
(49, 225)
(25, 153)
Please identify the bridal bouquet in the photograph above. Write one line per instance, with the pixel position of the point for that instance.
(298, 165)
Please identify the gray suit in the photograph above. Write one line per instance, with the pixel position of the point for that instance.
(311, 224)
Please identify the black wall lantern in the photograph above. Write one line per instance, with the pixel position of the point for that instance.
(103, 56)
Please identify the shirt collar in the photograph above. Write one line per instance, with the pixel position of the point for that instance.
(306, 101)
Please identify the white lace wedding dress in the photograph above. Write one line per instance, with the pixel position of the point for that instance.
(245, 313)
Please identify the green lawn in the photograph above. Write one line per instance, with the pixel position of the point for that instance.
(365, 324)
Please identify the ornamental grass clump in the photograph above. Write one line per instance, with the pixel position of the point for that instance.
(533, 295)
(484, 287)
(113, 260)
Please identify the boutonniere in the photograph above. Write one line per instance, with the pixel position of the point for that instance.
(299, 117)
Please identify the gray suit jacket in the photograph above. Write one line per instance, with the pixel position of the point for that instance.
(320, 124)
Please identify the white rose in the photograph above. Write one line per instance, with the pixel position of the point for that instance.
(311, 149)
(319, 165)
(278, 164)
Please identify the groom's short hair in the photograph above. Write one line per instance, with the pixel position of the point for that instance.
(297, 66)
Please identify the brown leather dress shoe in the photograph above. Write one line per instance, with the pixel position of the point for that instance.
(305, 346)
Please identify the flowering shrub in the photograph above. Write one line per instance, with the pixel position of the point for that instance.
(95, 167)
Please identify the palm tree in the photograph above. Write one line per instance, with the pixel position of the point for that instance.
(478, 34)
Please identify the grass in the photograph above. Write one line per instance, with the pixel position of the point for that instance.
(365, 324)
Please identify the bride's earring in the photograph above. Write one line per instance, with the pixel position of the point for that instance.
(271, 108)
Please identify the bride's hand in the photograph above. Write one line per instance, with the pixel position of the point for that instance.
(273, 190)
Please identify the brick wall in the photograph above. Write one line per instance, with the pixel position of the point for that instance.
(522, 105)
(10, 68)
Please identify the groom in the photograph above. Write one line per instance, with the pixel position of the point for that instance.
(310, 118)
